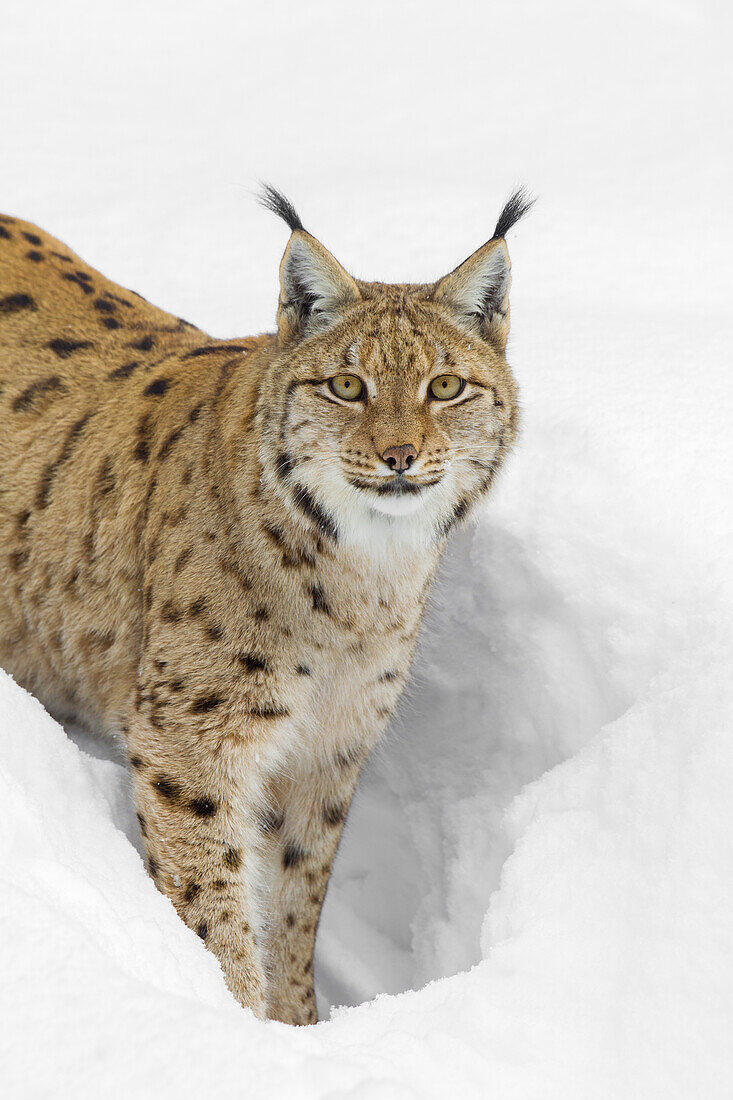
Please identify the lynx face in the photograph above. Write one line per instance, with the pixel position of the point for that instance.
(390, 406)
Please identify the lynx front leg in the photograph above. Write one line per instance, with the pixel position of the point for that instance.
(198, 821)
(302, 829)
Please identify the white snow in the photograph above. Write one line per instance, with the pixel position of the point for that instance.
(542, 850)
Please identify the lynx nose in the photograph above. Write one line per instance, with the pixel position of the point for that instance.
(400, 458)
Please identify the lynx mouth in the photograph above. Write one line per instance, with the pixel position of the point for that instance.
(394, 486)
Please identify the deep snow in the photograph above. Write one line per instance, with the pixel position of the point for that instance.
(548, 829)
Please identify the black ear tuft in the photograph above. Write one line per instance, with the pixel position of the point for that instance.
(517, 206)
(274, 200)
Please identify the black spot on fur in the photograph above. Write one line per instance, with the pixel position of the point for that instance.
(252, 663)
(32, 238)
(168, 788)
(458, 513)
(192, 890)
(18, 558)
(202, 930)
(291, 557)
(14, 303)
(295, 558)
(145, 344)
(104, 305)
(181, 560)
(109, 322)
(153, 867)
(269, 712)
(293, 855)
(80, 279)
(34, 256)
(4, 235)
(233, 859)
(320, 603)
(306, 502)
(136, 762)
(157, 387)
(203, 807)
(65, 348)
(124, 371)
(275, 535)
(142, 448)
(283, 465)
(211, 349)
(169, 613)
(303, 670)
(36, 390)
(334, 813)
(206, 703)
(143, 825)
(50, 471)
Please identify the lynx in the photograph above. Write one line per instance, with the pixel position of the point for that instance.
(219, 551)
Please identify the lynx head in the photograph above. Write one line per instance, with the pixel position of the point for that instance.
(390, 407)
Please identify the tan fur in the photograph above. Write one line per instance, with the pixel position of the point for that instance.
(194, 557)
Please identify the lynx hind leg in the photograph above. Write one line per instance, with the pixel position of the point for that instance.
(201, 843)
(302, 829)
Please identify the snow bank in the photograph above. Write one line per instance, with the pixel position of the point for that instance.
(607, 947)
(536, 877)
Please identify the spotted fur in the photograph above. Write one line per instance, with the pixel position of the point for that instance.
(206, 552)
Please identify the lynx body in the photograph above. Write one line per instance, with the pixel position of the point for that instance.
(220, 552)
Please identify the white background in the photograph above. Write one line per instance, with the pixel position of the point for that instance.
(552, 806)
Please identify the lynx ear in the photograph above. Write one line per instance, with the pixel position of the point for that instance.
(478, 291)
(314, 287)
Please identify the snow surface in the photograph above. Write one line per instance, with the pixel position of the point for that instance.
(542, 850)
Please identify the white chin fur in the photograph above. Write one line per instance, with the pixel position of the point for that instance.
(398, 505)
(380, 525)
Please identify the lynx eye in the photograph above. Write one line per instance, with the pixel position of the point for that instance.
(446, 386)
(346, 386)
